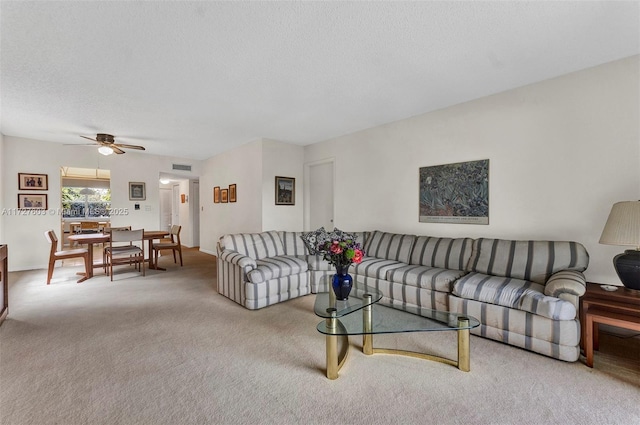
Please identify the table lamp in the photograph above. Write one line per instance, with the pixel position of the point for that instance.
(623, 228)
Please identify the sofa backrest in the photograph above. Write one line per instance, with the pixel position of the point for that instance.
(293, 243)
(445, 253)
(390, 246)
(255, 245)
(534, 261)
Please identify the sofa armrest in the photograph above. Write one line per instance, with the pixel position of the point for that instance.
(234, 257)
(566, 282)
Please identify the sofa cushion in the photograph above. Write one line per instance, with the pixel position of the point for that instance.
(444, 253)
(375, 267)
(389, 246)
(535, 261)
(276, 267)
(513, 293)
(433, 278)
(255, 245)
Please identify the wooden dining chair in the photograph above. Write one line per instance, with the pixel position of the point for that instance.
(105, 246)
(121, 249)
(89, 227)
(55, 255)
(173, 245)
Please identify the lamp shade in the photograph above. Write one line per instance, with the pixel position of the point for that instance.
(623, 225)
(105, 150)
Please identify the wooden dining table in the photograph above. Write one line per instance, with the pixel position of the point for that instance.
(91, 238)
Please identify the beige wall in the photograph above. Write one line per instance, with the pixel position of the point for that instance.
(252, 168)
(561, 153)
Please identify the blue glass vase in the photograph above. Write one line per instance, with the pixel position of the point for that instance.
(342, 283)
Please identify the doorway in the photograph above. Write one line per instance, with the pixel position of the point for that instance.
(86, 200)
(320, 211)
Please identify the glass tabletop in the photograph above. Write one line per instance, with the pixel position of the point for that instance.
(326, 303)
(399, 318)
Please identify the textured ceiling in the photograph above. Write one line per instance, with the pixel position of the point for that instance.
(194, 79)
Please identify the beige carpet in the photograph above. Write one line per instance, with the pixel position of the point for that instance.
(167, 349)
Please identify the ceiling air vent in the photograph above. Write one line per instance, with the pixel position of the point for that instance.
(182, 167)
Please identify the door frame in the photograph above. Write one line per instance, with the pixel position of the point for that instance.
(307, 189)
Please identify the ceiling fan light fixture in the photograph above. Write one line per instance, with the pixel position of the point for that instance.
(105, 150)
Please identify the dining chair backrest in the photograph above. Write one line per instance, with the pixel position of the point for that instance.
(108, 230)
(175, 231)
(51, 237)
(127, 235)
(89, 227)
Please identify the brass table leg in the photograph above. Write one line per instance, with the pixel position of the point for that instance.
(464, 356)
(335, 356)
(332, 346)
(367, 337)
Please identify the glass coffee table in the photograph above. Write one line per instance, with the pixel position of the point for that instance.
(378, 318)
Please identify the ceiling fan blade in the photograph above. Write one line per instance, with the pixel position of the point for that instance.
(116, 149)
(89, 138)
(140, 148)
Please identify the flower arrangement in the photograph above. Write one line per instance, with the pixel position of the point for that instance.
(340, 250)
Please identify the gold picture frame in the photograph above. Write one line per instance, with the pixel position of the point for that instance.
(232, 193)
(224, 196)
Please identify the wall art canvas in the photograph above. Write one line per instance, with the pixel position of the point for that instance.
(455, 193)
(285, 190)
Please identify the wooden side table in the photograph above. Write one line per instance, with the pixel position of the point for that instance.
(4, 283)
(619, 308)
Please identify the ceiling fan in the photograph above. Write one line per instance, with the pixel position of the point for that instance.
(108, 145)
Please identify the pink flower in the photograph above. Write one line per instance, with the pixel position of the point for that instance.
(336, 248)
(357, 256)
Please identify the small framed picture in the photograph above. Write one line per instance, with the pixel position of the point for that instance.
(33, 181)
(224, 196)
(216, 195)
(285, 190)
(32, 201)
(232, 193)
(137, 191)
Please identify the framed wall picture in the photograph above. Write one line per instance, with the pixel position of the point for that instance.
(33, 181)
(216, 195)
(137, 191)
(32, 201)
(232, 193)
(285, 190)
(224, 196)
(455, 193)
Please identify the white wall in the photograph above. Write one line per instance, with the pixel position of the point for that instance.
(561, 153)
(24, 234)
(2, 160)
(285, 160)
(242, 166)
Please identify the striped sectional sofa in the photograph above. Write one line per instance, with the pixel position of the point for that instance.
(525, 293)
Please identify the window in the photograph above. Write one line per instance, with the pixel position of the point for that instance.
(79, 202)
